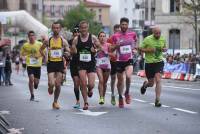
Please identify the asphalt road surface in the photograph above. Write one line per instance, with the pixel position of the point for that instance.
(180, 113)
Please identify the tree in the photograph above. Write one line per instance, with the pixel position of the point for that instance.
(79, 13)
(194, 7)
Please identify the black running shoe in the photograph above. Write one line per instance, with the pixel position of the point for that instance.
(32, 98)
(143, 88)
(157, 103)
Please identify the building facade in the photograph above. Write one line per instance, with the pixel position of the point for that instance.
(102, 13)
(34, 7)
(176, 25)
(56, 9)
(126, 8)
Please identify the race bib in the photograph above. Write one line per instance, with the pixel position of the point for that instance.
(104, 61)
(33, 61)
(85, 57)
(56, 53)
(125, 49)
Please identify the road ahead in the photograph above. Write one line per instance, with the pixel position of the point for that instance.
(180, 113)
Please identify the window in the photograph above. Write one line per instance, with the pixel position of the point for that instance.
(21, 4)
(125, 10)
(100, 10)
(133, 10)
(3, 5)
(135, 23)
(137, 6)
(52, 9)
(174, 39)
(174, 6)
(62, 10)
(100, 18)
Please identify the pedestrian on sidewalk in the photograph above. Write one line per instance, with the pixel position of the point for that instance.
(8, 71)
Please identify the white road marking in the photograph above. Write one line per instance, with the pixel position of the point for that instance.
(15, 131)
(183, 88)
(186, 111)
(139, 100)
(90, 113)
(165, 106)
(4, 112)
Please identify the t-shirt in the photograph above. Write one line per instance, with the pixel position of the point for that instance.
(127, 42)
(32, 53)
(151, 42)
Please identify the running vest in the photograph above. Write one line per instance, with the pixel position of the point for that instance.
(84, 50)
(102, 58)
(55, 53)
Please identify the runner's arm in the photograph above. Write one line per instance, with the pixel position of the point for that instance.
(97, 45)
(44, 45)
(74, 43)
(66, 48)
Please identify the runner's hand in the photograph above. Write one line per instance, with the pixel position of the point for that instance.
(93, 50)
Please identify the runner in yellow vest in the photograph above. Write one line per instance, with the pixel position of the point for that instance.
(31, 50)
(57, 48)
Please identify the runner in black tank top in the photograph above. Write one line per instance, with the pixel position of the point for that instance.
(85, 56)
(86, 46)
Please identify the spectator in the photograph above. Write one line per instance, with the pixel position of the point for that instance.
(8, 70)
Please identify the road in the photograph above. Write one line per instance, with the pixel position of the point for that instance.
(180, 113)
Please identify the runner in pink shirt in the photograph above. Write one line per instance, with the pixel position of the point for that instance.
(103, 66)
(125, 45)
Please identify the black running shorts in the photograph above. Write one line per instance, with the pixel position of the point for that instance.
(121, 65)
(36, 71)
(57, 66)
(88, 66)
(152, 68)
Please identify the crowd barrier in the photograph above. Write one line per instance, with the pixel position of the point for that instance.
(176, 72)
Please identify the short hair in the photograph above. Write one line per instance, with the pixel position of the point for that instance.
(31, 32)
(101, 33)
(116, 26)
(124, 19)
(83, 22)
(56, 22)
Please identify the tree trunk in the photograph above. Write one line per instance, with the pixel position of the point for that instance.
(196, 32)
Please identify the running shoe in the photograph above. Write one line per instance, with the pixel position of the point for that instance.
(121, 103)
(157, 103)
(127, 98)
(143, 88)
(113, 102)
(101, 101)
(32, 97)
(55, 105)
(77, 105)
(85, 106)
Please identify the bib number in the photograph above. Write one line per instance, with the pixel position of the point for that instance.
(85, 57)
(33, 61)
(125, 49)
(56, 53)
(103, 61)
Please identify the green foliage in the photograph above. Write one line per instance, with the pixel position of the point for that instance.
(79, 13)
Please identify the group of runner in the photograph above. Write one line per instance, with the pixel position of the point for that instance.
(90, 55)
